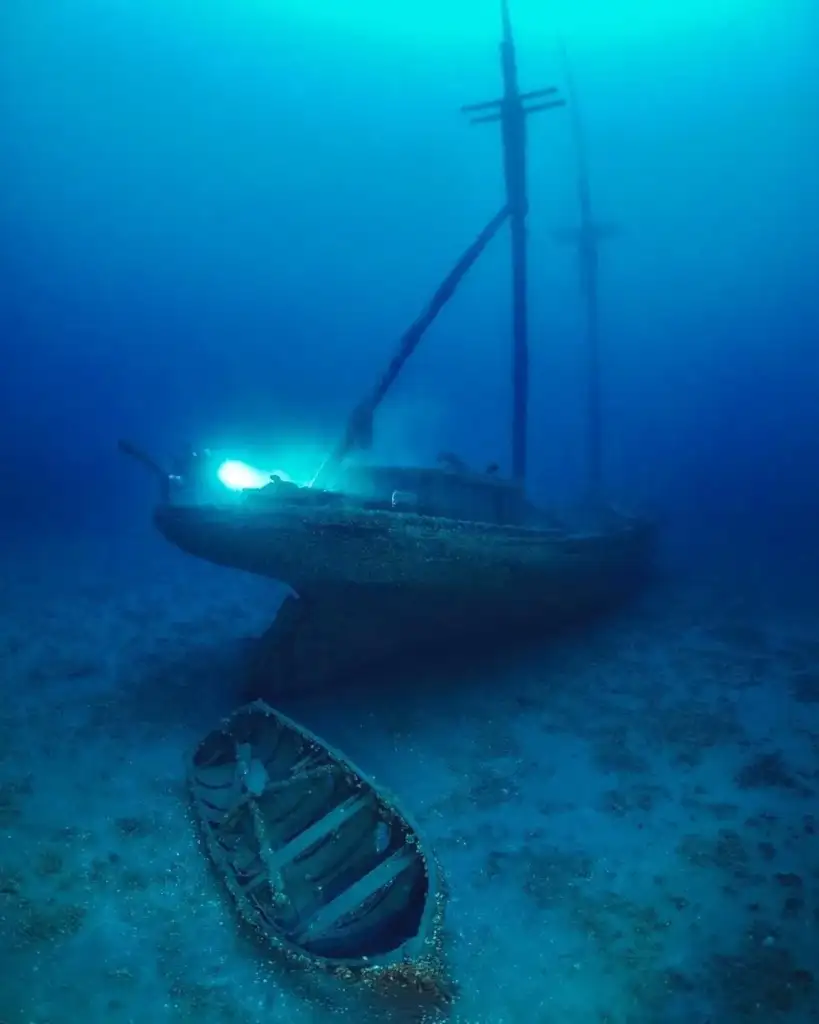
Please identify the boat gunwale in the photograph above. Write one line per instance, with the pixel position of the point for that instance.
(321, 517)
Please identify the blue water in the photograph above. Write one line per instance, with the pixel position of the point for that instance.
(216, 219)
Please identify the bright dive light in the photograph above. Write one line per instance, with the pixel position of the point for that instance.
(238, 476)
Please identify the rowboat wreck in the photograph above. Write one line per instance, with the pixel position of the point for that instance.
(388, 562)
(328, 871)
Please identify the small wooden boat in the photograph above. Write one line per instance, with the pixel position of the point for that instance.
(320, 862)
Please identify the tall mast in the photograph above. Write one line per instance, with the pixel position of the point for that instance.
(511, 110)
(586, 238)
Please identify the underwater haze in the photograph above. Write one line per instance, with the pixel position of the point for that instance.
(217, 218)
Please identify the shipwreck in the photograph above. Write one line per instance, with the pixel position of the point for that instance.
(391, 562)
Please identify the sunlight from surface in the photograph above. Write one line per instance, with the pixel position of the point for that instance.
(466, 20)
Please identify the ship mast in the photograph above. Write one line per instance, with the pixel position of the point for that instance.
(586, 238)
(511, 110)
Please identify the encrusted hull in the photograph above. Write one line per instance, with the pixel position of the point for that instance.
(374, 585)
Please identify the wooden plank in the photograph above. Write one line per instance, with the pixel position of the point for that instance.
(385, 873)
(278, 859)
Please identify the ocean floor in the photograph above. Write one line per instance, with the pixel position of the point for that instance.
(628, 820)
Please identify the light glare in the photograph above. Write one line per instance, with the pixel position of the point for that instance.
(239, 476)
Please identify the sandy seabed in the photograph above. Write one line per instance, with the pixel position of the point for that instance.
(628, 820)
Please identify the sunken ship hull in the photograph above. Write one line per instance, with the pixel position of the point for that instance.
(388, 562)
(468, 565)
